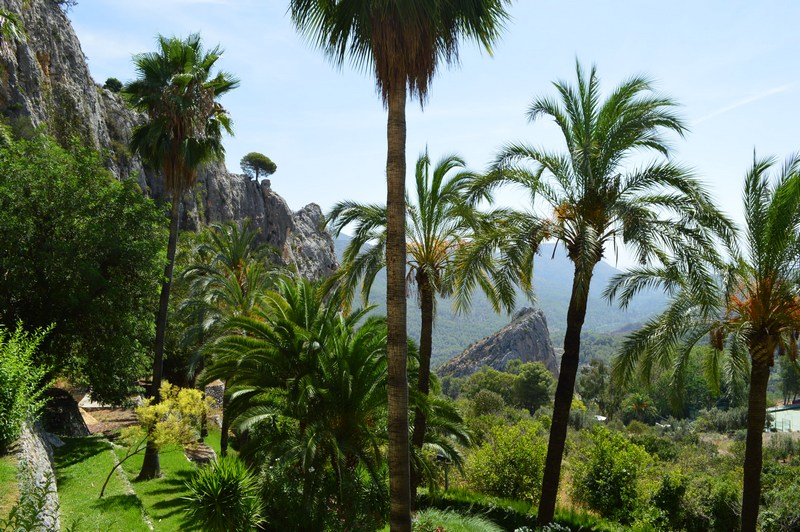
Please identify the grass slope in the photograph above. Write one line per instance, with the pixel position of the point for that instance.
(81, 468)
(9, 488)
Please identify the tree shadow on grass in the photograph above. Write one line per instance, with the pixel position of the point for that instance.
(77, 450)
(170, 491)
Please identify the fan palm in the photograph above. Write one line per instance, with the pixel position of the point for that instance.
(185, 122)
(749, 306)
(438, 222)
(595, 202)
(402, 43)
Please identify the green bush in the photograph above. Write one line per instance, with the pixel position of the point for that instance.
(224, 497)
(716, 420)
(21, 382)
(510, 463)
(712, 502)
(606, 477)
(487, 402)
(782, 511)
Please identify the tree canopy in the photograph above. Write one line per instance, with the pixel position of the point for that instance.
(256, 165)
(81, 251)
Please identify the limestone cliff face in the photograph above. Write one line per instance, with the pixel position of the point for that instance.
(45, 80)
(526, 338)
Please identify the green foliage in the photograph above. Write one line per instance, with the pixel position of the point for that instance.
(716, 420)
(22, 382)
(782, 509)
(789, 379)
(26, 513)
(432, 520)
(712, 502)
(312, 381)
(223, 497)
(488, 378)
(113, 84)
(533, 386)
(256, 165)
(487, 402)
(80, 250)
(668, 499)
(639, 407)
(607, 476)
(510, 463)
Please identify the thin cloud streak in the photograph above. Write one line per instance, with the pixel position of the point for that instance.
(746, 101)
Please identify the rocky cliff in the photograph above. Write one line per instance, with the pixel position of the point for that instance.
(45, 81)
(526, 338)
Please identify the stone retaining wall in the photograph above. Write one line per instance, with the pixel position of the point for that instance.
(37, 475)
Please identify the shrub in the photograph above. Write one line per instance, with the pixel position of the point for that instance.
(223, 497)
(606, 478)
(712, 503)
(21, 382)
(782, 511)
(716, 420)
(510, 463)
(487, 402)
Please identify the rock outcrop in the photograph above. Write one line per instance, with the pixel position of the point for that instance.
(526, 338)
(45, 80)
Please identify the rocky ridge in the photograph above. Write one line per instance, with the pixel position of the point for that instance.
(45, 81)
(526, 338)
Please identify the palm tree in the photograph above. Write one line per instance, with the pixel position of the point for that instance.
(657, 209)
(227, 279)
(183, 131)
(438, 223)
(297, 359)
(749, 306)
(402, 43)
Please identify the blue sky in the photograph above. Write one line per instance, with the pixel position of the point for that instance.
(733, 66)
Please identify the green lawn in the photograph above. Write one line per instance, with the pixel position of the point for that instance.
(162, 497)
(8, 483)
(81, 467)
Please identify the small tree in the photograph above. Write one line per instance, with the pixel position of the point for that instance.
(172, 421)
(533, 386)
(113, 84)
(255, 165)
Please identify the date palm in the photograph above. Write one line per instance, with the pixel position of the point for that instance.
(175, 87)
(438, 223)
(227, 279)
(595, 202)
(296, 361)
(750, 307)
(402, 44)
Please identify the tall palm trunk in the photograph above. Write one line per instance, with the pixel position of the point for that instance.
(226, 423)
(424, 378)
(756, 415)
(397, 348)
(564, 391)
(151, 467)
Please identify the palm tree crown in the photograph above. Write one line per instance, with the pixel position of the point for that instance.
(595, 201)
(177, 90)
(401, 42)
